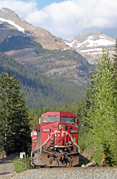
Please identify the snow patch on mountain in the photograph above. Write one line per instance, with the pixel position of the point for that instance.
(71, 43)
(1, 9)
(13, 24)
(99, 42)
(91, 41)
(90, 45)
(91, 50)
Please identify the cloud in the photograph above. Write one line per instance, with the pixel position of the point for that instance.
(20, 7)
(37, 17)
(68, 18)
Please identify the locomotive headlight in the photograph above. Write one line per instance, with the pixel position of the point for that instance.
(46, 130)
(74, 131)
(60, 126)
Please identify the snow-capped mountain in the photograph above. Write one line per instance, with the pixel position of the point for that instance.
(90, 45)
(12, 25)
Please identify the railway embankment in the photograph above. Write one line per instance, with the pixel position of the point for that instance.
(69, 173)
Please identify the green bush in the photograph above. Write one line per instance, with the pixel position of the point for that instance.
(20, 166)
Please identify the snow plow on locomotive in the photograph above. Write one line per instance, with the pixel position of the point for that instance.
(55, 140)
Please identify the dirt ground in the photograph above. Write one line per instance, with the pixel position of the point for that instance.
(7, 167)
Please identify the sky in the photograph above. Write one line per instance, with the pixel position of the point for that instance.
(68, 18)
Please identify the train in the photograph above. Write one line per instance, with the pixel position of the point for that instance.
(55, 140)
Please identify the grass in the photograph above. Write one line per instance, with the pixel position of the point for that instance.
(13, 175)
(20, 166)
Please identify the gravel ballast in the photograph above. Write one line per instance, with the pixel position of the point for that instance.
(69, 173)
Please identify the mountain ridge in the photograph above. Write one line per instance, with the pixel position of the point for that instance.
(14, 25)
(57, 62)
(90, 45)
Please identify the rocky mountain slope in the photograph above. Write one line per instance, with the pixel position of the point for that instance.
(90, 45)
(66, 66)
(12, 25)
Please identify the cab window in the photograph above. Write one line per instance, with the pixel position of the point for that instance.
(68, 119)
(50, 119)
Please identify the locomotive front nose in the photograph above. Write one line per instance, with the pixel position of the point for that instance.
(61, 135)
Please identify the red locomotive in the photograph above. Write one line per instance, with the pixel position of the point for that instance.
(55, 140)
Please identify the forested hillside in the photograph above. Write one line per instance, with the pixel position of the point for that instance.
(39, 90)
(63, 65)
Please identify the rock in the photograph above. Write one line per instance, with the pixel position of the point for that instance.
(82, 165)
(91, 164)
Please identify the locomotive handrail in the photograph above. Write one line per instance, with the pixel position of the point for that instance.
(46, 140)
(37, 148)
(74, 142)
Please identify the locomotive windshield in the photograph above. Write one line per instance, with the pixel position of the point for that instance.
(68, 119)
(50, 119)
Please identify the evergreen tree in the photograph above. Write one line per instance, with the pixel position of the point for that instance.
(101, 115)
(89, 92)
(14, 128)
(115, 58)
(115, 65)
(1, 132)
(89, 99)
